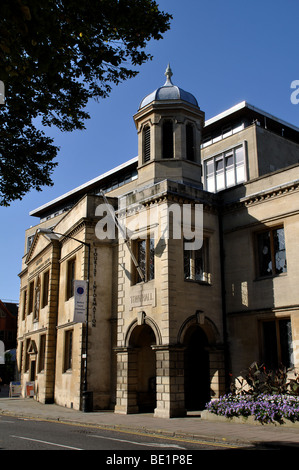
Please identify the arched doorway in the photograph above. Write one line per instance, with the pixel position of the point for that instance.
(196, 368)
(142, 339)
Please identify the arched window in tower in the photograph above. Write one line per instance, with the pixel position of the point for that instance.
(190, 154)
(146, 144)
(167, 139)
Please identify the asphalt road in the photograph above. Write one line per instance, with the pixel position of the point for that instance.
(28, 434)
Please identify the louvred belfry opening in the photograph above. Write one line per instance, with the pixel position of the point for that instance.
(146, 144)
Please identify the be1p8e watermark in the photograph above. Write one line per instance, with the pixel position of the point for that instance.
(2, 92)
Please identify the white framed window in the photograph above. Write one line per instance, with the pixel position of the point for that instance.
(220, 134)
(225, 169)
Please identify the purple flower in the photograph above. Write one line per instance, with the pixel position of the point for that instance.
(265, 408)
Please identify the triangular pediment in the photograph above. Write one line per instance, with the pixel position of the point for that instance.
(39, 243)
(32, 349)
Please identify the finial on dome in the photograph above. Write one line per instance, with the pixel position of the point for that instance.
(168, 74)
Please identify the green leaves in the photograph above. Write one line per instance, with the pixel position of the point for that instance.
(257, 380)
(56, 55)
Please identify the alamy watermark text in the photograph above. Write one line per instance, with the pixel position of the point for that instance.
(295, 93)
(133, 221)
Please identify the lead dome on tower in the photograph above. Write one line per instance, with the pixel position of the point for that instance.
(168, 92)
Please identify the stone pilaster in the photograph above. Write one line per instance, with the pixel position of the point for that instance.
(126, 381)
(217, 372)
(170, 381)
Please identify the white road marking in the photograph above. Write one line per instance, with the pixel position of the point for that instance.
(149, 444)
(45, 442)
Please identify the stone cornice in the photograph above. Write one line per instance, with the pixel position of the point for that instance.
(263, 312)
(262, 196)
(173, 192)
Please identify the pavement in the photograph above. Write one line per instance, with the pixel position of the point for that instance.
(194, 426)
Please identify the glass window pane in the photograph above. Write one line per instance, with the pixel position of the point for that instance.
(240, 164)
(229, 170)
(210, 167)
(70, 279)
(227, 131)
(239, 156)
(187, 264)
(286, 343)
(31, 295)
(210, 180)
(210, 184)
(195, 263)
(240, 174)
(229, 160)
(230, 177)
(279, 251)
(238, 128)
(198, 265)
(219, 164)
(220, 181)
(141, 257)
(225, 170)
(151, 268)
(216, 138)
(45, 289)
(264, 254)
(68, 351)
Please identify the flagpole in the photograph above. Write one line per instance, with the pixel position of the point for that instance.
(126, 240)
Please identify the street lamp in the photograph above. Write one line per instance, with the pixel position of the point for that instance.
(86, 396)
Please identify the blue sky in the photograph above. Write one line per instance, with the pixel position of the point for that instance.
(222, 52)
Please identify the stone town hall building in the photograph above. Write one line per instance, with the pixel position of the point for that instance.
(164, 333)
